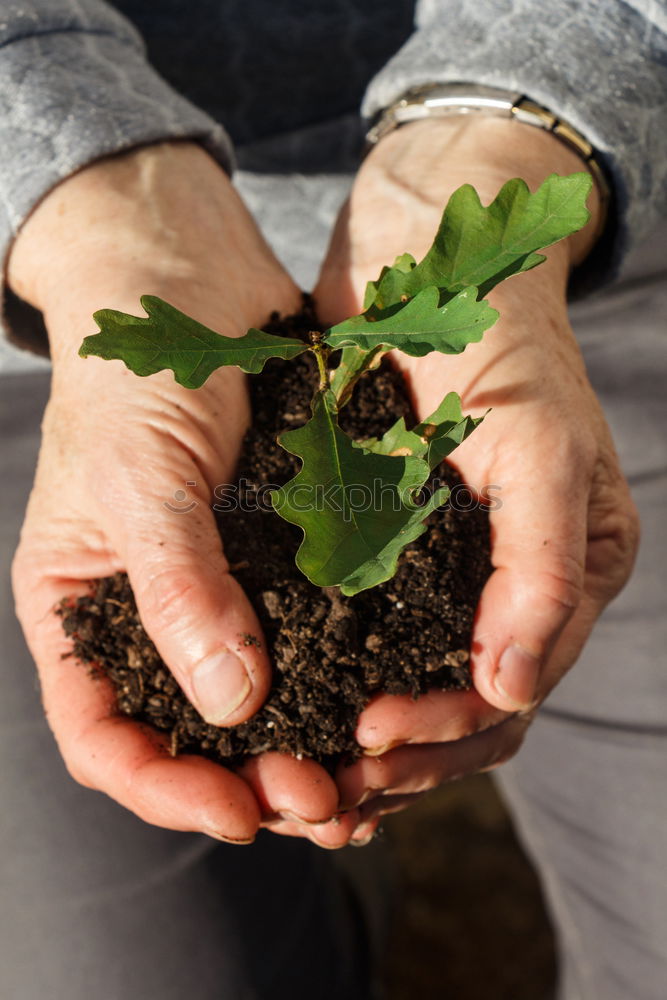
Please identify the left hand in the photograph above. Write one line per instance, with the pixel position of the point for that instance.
(163, 219)
(565, 537)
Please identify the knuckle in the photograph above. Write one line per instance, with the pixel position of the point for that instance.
(134, 778)
(164, 595)
(625, 533)
(562, 584)
(587, 450)
(515, 730)
(382, 773)
(422, 783)
(22, 575)
(76, 753)
(17, 575)
(78, 772)
(501, 758)
(614, 526)
(580, 451)
(479, 726)
(504, 753)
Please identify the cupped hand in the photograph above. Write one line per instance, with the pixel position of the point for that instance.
(125, 481)
(564, 533)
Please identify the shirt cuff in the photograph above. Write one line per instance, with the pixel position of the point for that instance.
(67, 98)
(605, 75)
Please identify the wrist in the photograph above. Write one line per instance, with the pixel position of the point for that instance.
(438, 155)
(164, 220)
(112, 209)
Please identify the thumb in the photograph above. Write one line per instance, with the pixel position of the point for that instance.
(197, 614)
(539, 546)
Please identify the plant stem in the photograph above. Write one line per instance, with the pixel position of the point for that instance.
(321, 352)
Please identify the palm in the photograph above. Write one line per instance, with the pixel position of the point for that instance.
(559, 548)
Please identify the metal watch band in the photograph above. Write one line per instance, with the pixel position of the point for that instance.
(443, 100)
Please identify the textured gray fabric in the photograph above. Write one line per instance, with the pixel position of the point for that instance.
(74, 86)
(75, 82)
(94, 903)
(590, 805)
(599, 64)
(589, 787)
(266, 67)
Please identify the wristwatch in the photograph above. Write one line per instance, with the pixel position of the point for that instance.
(438, 100)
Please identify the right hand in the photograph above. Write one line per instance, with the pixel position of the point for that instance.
(163, 220)
(563, 543)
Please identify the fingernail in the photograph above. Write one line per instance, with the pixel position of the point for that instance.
(293, 817)
(367, 794)
(362, 841)
(364, 833)
(320, 843)
(517, 676)
(385, 748)
(240, 841)
(220, 686)
(354, 801)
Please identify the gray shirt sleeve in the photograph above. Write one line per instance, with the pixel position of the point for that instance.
(601, 65)
(74, 86)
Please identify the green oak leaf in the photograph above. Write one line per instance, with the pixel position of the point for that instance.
(168, 339)
(446, 429)
(398, 440)
(481, 246)
(355, 507)
(420, 326)
(403, 263)
(354, 362)
(433, 439)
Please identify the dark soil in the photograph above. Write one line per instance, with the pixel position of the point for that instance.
(330, 653)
